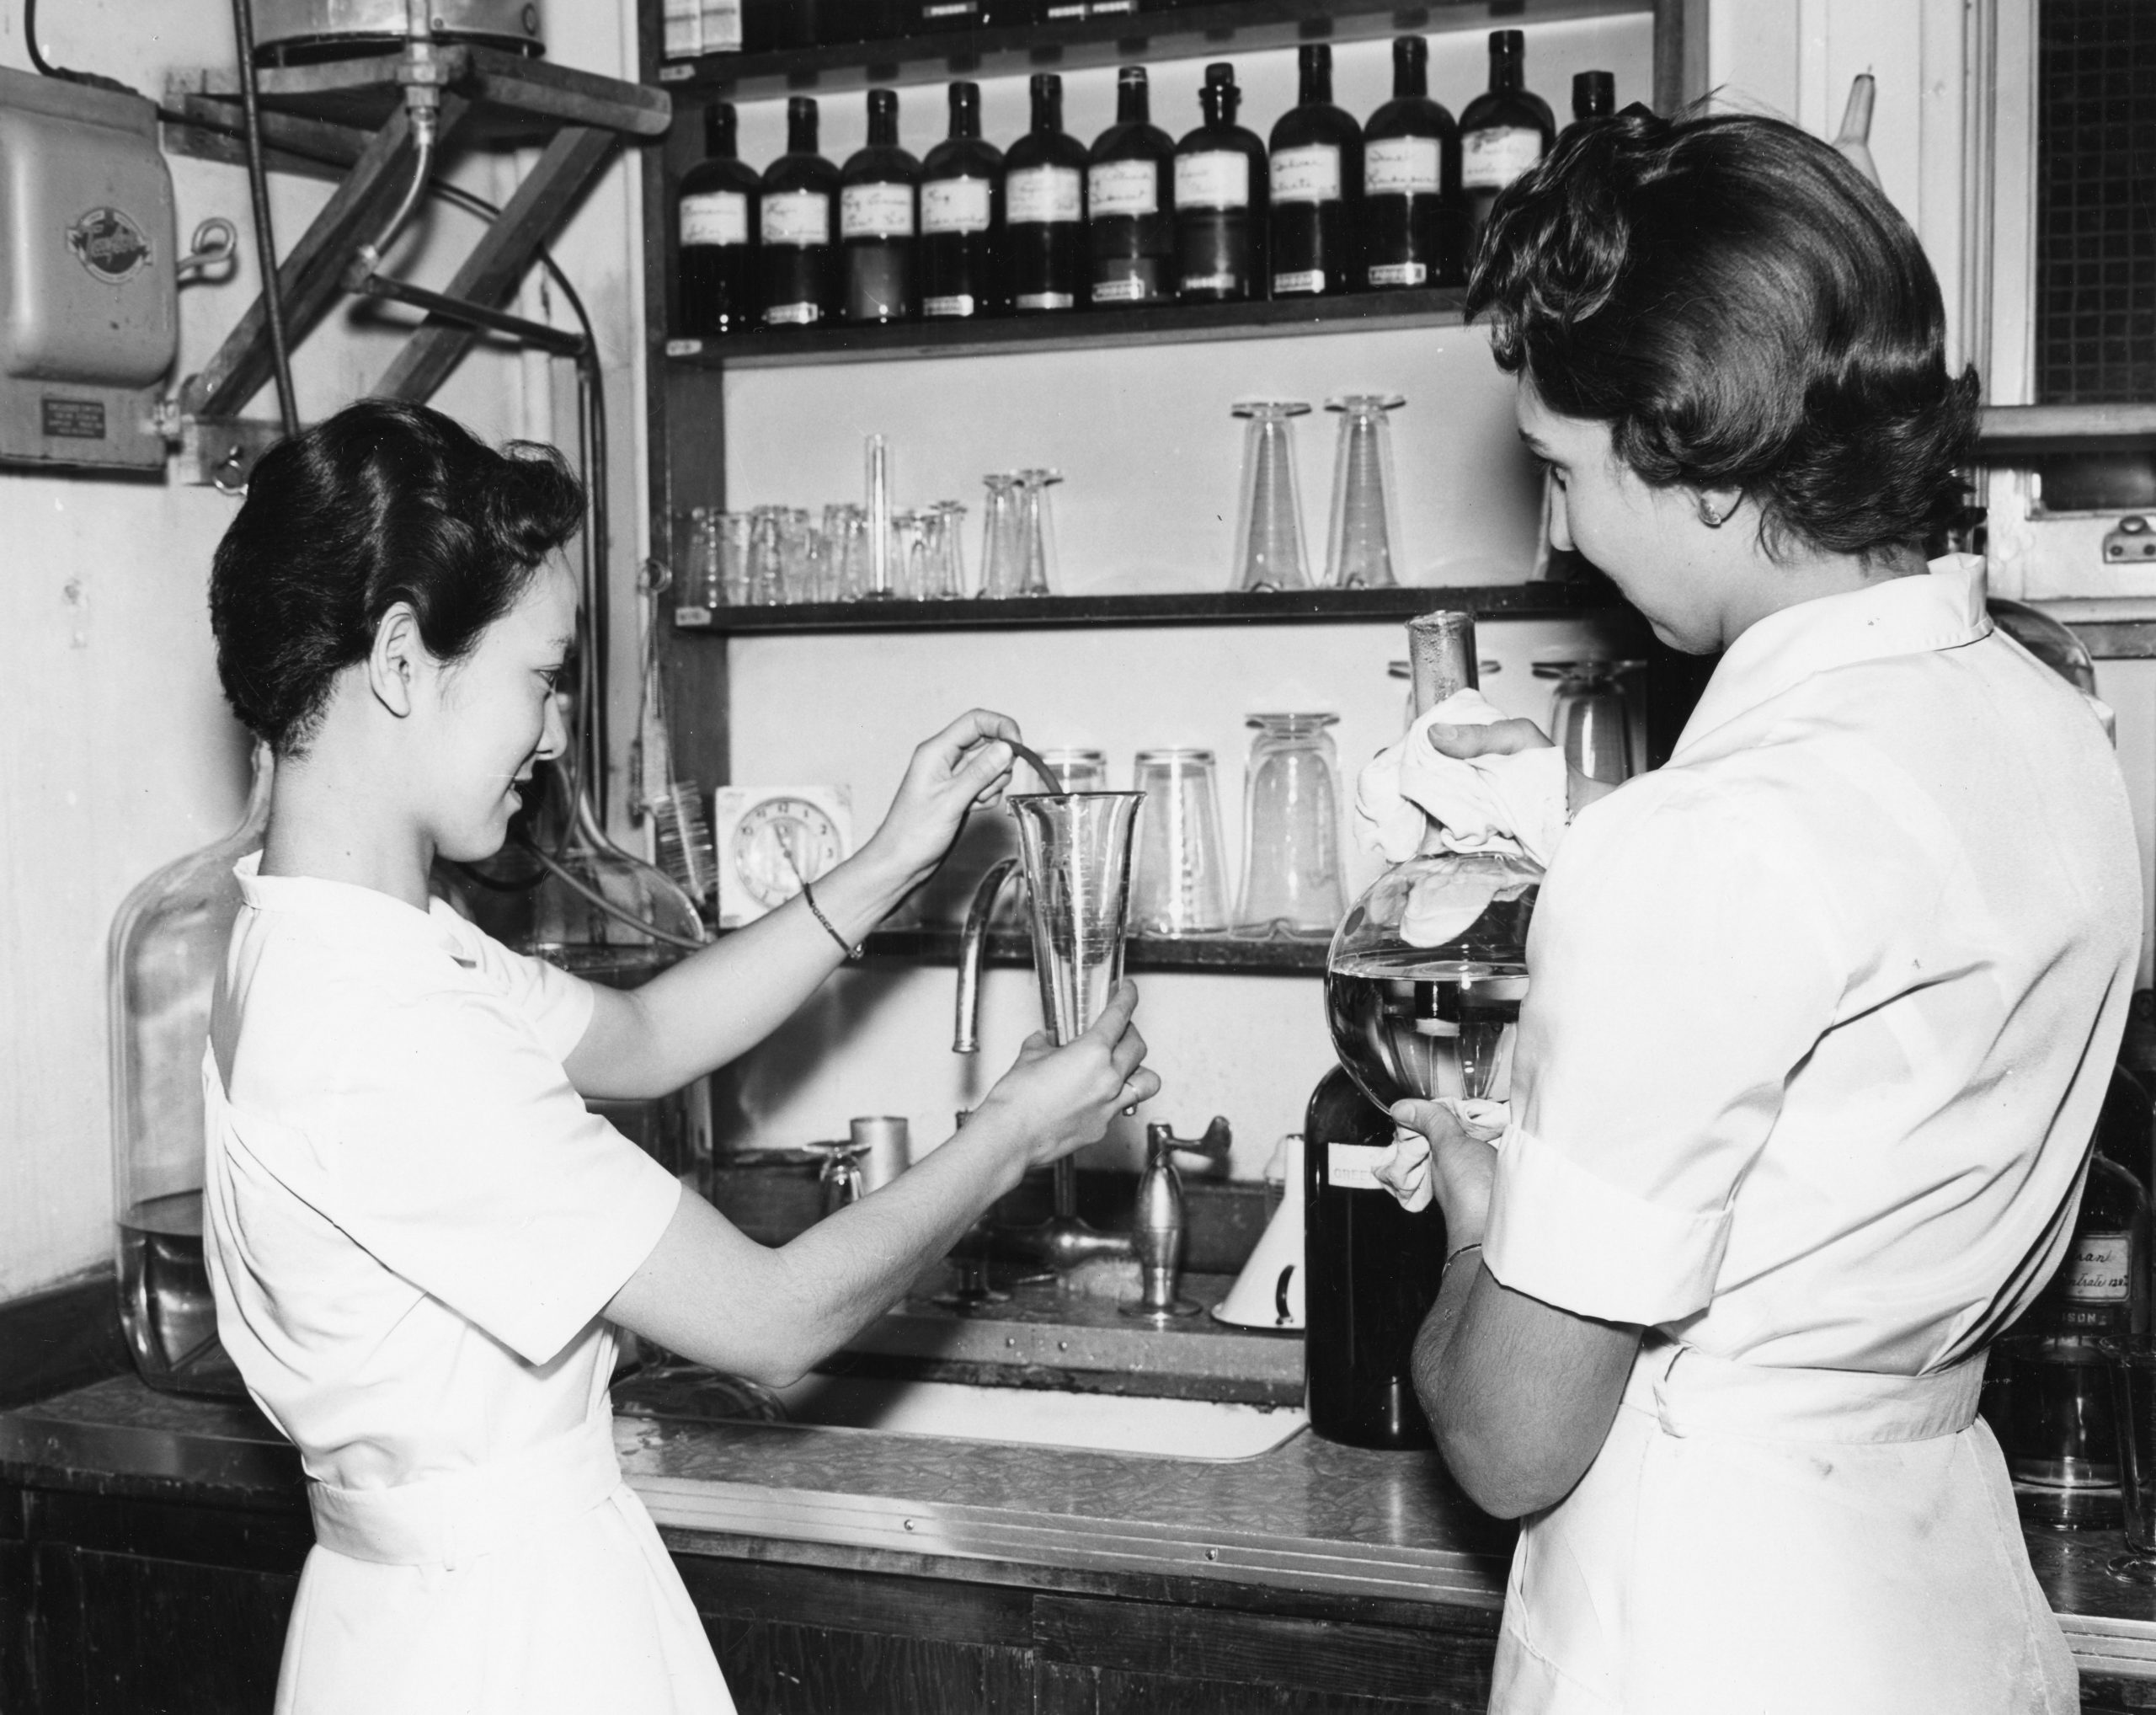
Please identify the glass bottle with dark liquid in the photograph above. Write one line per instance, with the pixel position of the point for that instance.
(716, 226)
(1594, 95)
(1130, 201)
(962, 217)
(799, 194)
(1317, 187)
(1414, 224)
(1220, 201)
(1044, 208)
(1505, 130)
(878, 218)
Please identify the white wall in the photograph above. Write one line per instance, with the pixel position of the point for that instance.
(118, 754)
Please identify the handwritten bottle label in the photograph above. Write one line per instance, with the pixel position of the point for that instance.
(798, 218)
(879, 211)
(1489, 160)
(1043, 195)
(1310, 173)
(719, 217)
(2099, 1269)
(954, 206)
(1213, 178)
(1400, 167)
(1124, 188)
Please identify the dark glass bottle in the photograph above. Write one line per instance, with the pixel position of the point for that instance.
(1220, 201)
(1130, 202)
(1370, 1274)
(1044, 208)
(715, 212)
(796, 228)
(1505, 130)
(962, 217)
(879, 219)
(1317, 187)
(1594, 95)
(1414, 223)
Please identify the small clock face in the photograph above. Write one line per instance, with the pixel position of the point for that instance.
(781, 842)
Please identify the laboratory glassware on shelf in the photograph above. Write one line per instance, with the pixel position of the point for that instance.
(1269, 513)
(1362, 541)
(1291, 883)
(1181, 880)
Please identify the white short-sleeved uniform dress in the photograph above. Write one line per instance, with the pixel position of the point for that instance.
(1823, 1013)
(412, 1224)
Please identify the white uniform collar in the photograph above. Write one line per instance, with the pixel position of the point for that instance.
(1900, 617)
(345, 901)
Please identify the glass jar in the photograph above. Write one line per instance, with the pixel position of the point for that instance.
(167, 943)
(1291, 830)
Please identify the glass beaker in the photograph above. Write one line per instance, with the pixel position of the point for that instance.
(1291, 830)
(951, 548)
(1036, 533)
(1269, 515)
(1001, 567)
(1589, 718)
(1181, 887)
(935, 577)
(1078, 770)
(852, 557)
(1075, 849)
(167, 943)
(1363, 539)
(767, 573)
(801, 554)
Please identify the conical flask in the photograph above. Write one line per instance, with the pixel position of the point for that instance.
(168, 941)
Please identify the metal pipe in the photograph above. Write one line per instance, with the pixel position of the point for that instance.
(266, 242)
(557, 340)
(973, 941)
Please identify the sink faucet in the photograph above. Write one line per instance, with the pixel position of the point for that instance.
(1157, 1229)
(1063, 1240)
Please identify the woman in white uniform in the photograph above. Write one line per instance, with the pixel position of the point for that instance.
(1822, 1011)
(419, 1240)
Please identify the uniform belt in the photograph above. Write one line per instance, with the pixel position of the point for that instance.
(447, 1521)
(1695, 1393)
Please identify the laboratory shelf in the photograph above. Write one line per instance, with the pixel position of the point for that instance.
(1215, 953)
(1183, 32)
(1070, 330)
(1534, 601)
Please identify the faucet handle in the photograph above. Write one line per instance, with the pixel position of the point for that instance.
(1214, 1146)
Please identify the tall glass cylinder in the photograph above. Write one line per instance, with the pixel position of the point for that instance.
(1075, 848)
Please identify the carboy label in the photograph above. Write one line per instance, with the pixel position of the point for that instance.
(715, 218)
(1124, 188)
(1045, 194)
(796, 217)
(1489, 160)
(1399, 273)
(880, 210)
(1302, 280)
(2099, 1270)
(1217, 178)
(957, 304)
(1310, 173)
(1400, 167)
(954, 206)
(1353, 1166)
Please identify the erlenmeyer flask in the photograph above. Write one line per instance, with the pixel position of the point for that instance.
(999, 570)
(1036, 533)
(1269, 521)
(1364, 537)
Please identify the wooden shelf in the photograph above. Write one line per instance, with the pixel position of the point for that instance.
(1213, 952)
(1169, 324)
(1197, 607)
(1186, 32)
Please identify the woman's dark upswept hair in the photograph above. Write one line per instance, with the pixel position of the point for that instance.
(1744, 310)
(385, 502)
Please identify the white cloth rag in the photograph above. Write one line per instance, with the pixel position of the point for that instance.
(1405, 1172)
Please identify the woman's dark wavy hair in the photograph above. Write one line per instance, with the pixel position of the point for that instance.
(385, 502)
(1744, 309)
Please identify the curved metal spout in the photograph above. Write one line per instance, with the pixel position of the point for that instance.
(965, 1036)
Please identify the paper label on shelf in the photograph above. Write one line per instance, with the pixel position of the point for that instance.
(879, 211)
(1399, 273)
(954, 206)
(1301, 283)
(2099, 1269)
(1400, 167)
(1216, 178)
(715, 218)
(796, 217)
(1045, 300)
(1310, 173)
(1489, 160)
(1353, 1166)
(958, 304)
(1045, 196)
(794, 315)
(1124, 188)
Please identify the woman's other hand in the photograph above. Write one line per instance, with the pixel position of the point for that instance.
(1055, 1100)
(1507, 738)
(963, 769)
(1463, 1164)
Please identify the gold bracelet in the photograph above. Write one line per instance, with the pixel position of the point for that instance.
(853, 953)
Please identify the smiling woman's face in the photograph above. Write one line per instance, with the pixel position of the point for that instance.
(1647, 540)
(493, 715)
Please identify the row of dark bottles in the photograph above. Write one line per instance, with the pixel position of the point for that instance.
(1327, 207)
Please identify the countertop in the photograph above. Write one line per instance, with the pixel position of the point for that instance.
(1308, 1516)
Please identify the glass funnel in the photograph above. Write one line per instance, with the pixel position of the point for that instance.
(1427, 972)
(167, 943)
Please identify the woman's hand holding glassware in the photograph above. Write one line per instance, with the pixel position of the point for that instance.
(1055, 1100)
